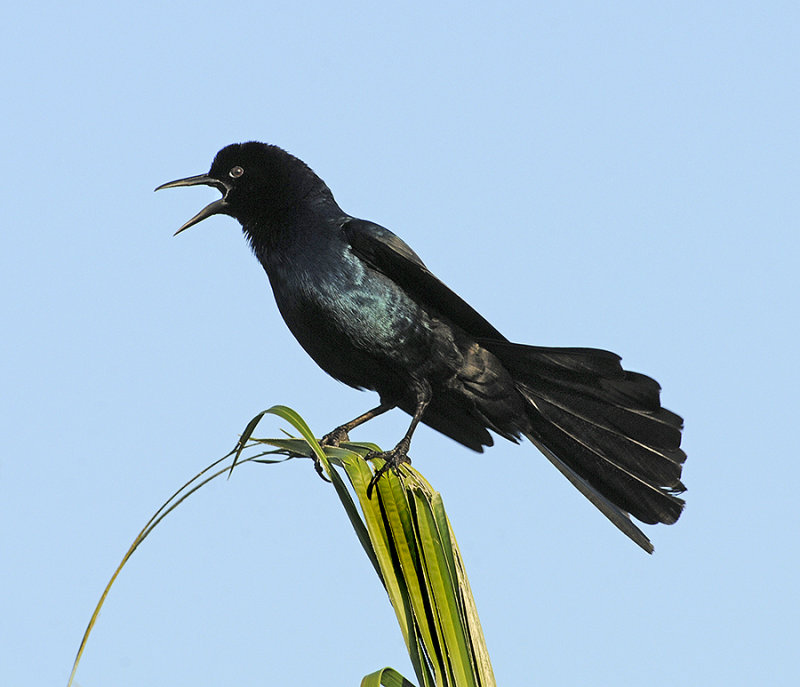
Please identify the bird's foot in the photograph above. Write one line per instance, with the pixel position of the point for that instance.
(392, 460)
(335, 437)
(332, 438)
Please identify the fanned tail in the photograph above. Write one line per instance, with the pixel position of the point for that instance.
(604, 428)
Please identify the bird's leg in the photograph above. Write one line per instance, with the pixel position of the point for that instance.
(340, 434)
(399, 454)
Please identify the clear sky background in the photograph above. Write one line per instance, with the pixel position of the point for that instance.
(617, 175)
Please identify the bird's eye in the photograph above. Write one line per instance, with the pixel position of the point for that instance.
(236, 172)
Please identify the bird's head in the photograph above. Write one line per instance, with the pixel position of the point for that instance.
(257, 181)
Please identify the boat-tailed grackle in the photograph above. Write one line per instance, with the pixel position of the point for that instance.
(370, 313)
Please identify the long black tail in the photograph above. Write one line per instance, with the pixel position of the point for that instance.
(604, 428)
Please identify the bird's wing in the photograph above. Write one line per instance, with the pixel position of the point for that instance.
(391, 256)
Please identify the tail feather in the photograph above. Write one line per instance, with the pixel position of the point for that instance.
(608, 465)
(592, 372)
(604, 428)
(636, 424)
(627, 443)
(615, 514)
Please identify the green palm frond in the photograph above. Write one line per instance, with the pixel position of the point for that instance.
(407, 537)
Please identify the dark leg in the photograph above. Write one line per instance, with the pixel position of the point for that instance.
(399, 454)
(340, 434)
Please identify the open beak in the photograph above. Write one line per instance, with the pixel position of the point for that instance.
(216, 208)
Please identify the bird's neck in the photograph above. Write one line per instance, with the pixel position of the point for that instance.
(284, 233)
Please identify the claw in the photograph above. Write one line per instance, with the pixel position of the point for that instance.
(393, 459)
(332, 438)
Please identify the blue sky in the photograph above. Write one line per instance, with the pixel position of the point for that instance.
(585, 174)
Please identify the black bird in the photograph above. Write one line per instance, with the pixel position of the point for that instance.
(370, 313)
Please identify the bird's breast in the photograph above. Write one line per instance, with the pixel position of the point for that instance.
(357, 324)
